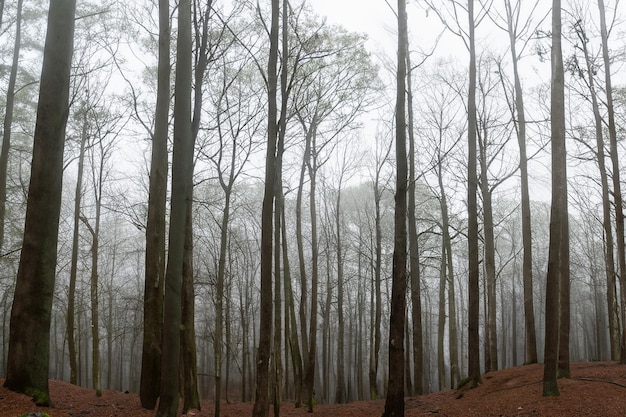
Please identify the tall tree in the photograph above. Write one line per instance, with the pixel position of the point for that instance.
(155, 227)
(261, 403)
(472, 207)
(394, 403)
(558, 250)
(617, 188)
(182, 171)
(8, 120)
(29, 343)
(71, 302)
(530, 339)
(414, 258)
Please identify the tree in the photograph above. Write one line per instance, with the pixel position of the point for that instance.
(530, 339)
(182, 171)
(155, 227)
(558, 251)
(394, 403)
(28, 360)
(472, 207)
(8, 120)
(617, 188)
(263, 354)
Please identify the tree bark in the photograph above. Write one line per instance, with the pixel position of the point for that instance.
(150, 379)
(558, 214)
(8, 120)
(29, 344)
(617, 188)
(472, 232)
(394, 403)
(530, 338)
(414, 257)
(182, 171)
(261, 403)
(71, 302)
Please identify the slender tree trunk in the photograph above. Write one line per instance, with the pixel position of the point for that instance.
(472, 233)
(530, 338)
(558, 214)
(394, 403)
(414, 259)
(340, 394)
(29, 344)
(261, 403)
(491, 343)
(290, 312)
(377, 305)
(182, 172)
(8, 120)
(309, 374)
(71, 302)
(617, 190)
(441, 321)
(150, 379)
(453, 339)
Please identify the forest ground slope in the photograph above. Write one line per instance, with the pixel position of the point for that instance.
(595, 389)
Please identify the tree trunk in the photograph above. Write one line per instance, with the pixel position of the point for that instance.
(617, 189)
(472, 206)
(261, 403)
(491, 343)
(189, 368)
(558, 215)
(414, 259)
(309, 373)
(150, 380)
(394, 403)
(8, 120)
(530, 338)
(29, 344)
(71, 302)
(340, 394)
(182, 171)
(377, 307)
(290, 314)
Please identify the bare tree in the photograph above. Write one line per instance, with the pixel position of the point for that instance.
(558, 261)
(29, 344)
(182, 171)
(394, 402)
(155, 227)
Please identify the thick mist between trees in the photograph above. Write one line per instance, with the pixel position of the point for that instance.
(257, 205)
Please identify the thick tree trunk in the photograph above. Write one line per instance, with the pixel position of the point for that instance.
(182, 171)
(261, 403)
(189, 368)
(29, 344)
(559, 245)
(155, 228)
(394, 403)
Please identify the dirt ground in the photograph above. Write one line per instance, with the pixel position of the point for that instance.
(595, 389)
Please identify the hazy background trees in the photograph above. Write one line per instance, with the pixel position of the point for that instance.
(333, 239)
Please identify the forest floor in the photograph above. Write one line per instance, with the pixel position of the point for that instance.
(595, 389)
